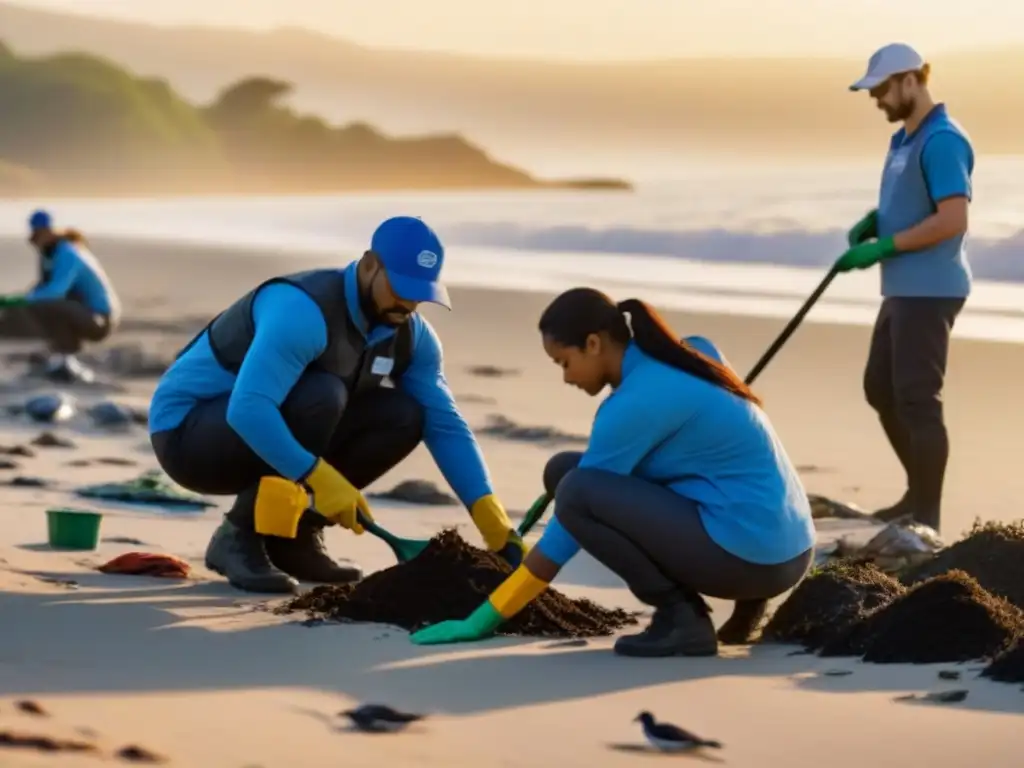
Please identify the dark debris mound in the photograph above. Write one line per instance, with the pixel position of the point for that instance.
(992, 553)
(828, 601)
(948, 618)
(1008, 667)
(449, 580)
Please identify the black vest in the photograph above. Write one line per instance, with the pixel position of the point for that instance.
(347, 355)
(46, 263)
(46, 268)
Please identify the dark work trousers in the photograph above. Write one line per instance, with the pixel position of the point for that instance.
(64, 324)
(362, 438)
(654, 539)
(903, 382)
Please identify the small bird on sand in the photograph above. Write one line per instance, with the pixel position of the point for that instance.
(380, 718)
(672, 738)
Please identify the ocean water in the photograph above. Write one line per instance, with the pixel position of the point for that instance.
(745, 240)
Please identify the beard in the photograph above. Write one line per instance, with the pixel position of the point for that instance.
(393, 317)
(899, 112)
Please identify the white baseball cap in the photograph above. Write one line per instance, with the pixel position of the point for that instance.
(889, 60)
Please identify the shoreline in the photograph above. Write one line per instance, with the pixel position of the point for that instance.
(992, 314)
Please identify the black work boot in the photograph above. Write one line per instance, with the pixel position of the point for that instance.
(238, 555)
(679, 627)
(305, 557)
(902, 508)
(741, 628)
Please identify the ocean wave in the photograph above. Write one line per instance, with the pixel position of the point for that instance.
(990, 259)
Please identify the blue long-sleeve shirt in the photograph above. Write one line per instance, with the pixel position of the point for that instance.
(290, 333)
(666, 426)
(76, 271)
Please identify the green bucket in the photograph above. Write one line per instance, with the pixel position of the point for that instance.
(73, 528)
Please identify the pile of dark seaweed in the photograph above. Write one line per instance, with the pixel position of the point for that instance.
(965, 603)
(449, 580)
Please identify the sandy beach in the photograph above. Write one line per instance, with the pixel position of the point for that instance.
(205, 676)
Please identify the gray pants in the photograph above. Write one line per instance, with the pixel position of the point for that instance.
(903, 382)
(654, 539)
(64, 324)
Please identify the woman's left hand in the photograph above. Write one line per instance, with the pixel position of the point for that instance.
(479, 625)
(457, 631)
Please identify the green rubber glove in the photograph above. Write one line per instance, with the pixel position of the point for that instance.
(866, 254)
(12, 301)
(865, 229)
(480, 624)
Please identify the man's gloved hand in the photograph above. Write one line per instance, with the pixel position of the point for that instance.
(336, 498)
(279, 505)
(865, 229)
(866, 255)
(479, 625)
(492, 521)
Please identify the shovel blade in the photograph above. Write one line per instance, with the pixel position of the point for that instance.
(407, 549)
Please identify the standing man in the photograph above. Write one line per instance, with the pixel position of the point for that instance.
(917, 233)
(282, 401)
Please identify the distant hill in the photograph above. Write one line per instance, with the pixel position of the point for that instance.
(75, 123)
(519, 108)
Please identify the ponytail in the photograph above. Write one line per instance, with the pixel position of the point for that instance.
(653, 336)
(73, 236)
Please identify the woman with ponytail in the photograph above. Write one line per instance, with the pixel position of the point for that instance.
(684, 490)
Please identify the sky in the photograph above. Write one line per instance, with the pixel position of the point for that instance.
(604, 29)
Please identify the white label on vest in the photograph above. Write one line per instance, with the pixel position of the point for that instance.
(382, 366)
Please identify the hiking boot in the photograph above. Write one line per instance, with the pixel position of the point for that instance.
(901, 508)
(679, 628)
(238, 555)
(741, 628)
(305, 557)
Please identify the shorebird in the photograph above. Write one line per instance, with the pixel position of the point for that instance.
(672, 738)
(380, 718)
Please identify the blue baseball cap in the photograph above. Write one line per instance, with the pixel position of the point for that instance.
(40, 220)
(412, 256)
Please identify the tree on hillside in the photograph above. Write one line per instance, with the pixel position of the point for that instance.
(250, 98)
(261, 135)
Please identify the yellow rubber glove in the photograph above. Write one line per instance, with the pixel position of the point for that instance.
(279, 505)
(492, 521)
(336, 498)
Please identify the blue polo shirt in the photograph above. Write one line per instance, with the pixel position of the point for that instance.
(933, 163)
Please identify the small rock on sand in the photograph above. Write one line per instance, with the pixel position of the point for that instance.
(418, 492)
(28, 482)
(51, 408)
(18, 450)
(50, 440)
(500, 426)
(30, 707)
(111, 415)
(136, 754)
(491, 371)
